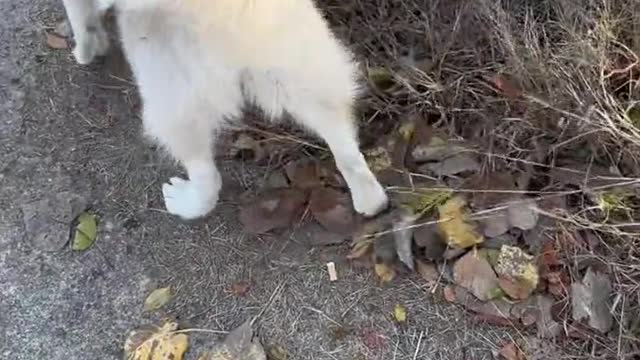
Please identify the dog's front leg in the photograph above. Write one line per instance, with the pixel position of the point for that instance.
(85, 17)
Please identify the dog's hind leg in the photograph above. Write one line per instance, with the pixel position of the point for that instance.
(335, 125)
(85, 17)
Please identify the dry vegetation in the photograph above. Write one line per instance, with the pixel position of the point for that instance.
(547, 90)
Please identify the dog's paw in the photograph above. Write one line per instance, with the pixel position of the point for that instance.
(188, 200)
(370, 200)
(90, 45)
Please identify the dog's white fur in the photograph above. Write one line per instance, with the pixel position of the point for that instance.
(197, 61)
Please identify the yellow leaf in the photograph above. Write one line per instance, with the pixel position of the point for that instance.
(360, 249)
(385, 272)
(157, 299)
(381, 77)
(156, 343)
(400, 313)
(277, 352)
(86, 232)
(454, 226)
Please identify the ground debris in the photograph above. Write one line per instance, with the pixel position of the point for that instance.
(591, 300)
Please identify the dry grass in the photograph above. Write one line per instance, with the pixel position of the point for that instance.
(576, 71)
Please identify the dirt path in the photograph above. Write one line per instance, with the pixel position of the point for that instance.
(69, 138)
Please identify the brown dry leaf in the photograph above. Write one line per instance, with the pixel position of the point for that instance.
(457, 231)
(304, 175)
(429, 238)
(518, 272)
(372, 339)
(246, 145)
(240, 288)
(56, 42)
(473, 272)
(506, 86)
(385, 272)
(449, 294)
(427, 271)
(591, 300)
(156, 343)
(157, 299)
(240, 344)
(511, 351)
(333, 209)
(278, 208)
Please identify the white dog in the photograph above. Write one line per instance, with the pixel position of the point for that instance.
(197, 61)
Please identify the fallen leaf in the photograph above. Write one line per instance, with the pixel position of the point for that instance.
(511, 351)
(304, 175)
(591, 300)
(372, 340)
(277, 352)
(505, 86)
(518, 272)
(522, 214)
(86, 232)
(385, 272)
(449, 293)
(428, 272)
(381, 78)
(239, 344)
(378, 159)
(56, 42)
(247, 146)
(313, 234)
(457, 231)
(473, 272)
(275, 209)
(157, 299)
(240, 288)
(547, 327)
(429, 238)
(456, 164)
(153, 342)
(333, 209)
(403, 238)
(400, 313)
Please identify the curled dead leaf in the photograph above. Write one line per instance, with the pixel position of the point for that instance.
(333, 209)
(276, 209)
(153, 342)
(239, 344)
(56, 42)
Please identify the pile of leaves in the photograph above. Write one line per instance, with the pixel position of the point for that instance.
(487, 239)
